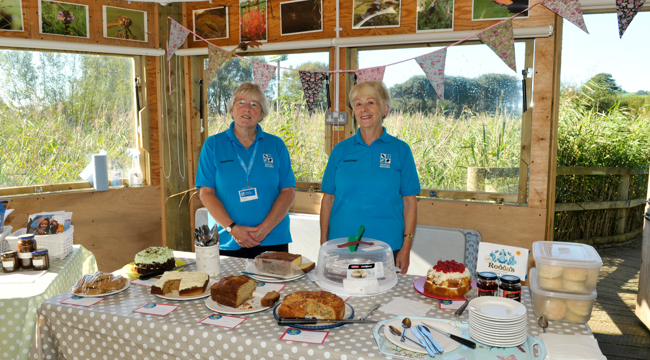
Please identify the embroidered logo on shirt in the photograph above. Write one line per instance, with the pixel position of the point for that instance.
(268, 160)
(384, 161)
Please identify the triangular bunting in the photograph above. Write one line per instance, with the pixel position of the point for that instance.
(216, 58)
(177, 36)
(568, 9)
(312, 84)
(433, 65)
(501, 41)
(376, 73)
(626, 10)
(262, 74)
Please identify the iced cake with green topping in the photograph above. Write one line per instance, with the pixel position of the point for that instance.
(152, 259)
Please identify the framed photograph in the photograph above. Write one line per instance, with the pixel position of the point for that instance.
(11, 15)
(125, 24)
(499, 9)
(435, 15)
(252, 21)
(367, 14)
(301, 16)
(61, 18)
(211, 24)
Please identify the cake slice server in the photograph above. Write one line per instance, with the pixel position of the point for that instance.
(372, 309)
(160, 272)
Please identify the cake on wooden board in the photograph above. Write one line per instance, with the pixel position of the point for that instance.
(152, 259)
(187, 283)
(282, 263)
(448, 279)
(308, 304)
(233, 290)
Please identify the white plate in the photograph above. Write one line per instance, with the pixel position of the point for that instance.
(497, 308)
(501, 342)
(248, 307)
(446, 343)
(175, 296)
(251, 268)
(128, 283)
(482, 322)
(512, 320)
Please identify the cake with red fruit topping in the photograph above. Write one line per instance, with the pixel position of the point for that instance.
(449, 279)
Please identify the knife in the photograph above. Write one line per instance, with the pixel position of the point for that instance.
(431, 351)
(264, 275)
(372, 309)
(160, 272)
(469, 343)
(302, 321)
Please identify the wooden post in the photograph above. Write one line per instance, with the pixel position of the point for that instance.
(643, 296)
(476, 178)
(623, 194)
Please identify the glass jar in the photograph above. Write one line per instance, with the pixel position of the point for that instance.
(510, 287)
(10, 261)
(26, 245)
(487, 284)
(41, 259)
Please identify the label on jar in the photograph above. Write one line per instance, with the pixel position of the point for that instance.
(8, 264)
(27, 255)
(483, 292)
(38, 262)
(514, 295)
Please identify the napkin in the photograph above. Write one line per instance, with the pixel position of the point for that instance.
(571, 347)
(405, 307)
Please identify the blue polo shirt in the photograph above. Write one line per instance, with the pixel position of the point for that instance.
(368, 183)
(219, 168)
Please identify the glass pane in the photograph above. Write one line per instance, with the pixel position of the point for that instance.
(469, 141)
(302, 132)
(58, 109)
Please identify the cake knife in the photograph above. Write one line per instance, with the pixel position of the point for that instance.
(469, 343)
(160, 272)
(303, 321)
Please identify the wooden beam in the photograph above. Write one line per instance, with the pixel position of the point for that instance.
(599, 205)
(582, 170)
(526, 126)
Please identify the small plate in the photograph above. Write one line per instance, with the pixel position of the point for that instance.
(447, 344)
(251, 268)
(128, 283)
(248, 307)
(419, 287)
(128, 269)
(349, 314)
(175, 296)
(495, 308)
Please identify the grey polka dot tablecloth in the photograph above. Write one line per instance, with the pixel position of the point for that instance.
(111, 330)
(19, 302)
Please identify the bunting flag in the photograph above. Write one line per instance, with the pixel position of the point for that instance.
(262, 74)
(312, 84)
(177, 36)
(376, 73)
(433, 65)
(568, 9)
(216, 58)
(626, 10)
(501, 41)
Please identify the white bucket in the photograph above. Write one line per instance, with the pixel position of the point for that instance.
(207, 260)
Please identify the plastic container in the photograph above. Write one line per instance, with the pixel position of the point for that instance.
(556, 305)
(566, 267)
(369, 270)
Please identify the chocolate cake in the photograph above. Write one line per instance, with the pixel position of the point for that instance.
(153, 259)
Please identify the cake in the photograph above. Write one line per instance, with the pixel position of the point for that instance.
(270, 298)
(152, 259)
(186, 283)
(448, 279)
(312, 304)
(281, 263)
(233, 290)
(99, 283)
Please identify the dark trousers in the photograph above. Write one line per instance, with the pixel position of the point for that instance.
(251, 253)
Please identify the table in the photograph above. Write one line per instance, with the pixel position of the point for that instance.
(19, 302)
(111, 330)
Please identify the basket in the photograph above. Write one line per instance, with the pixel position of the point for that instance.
(58, 245)
(4, 245)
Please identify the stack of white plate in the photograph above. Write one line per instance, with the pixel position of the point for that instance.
(498, 322)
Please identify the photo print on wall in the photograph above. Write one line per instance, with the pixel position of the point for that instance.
(301, 16)
(435, 15)
(498, 9)
(61, 18)
(125, 24)
(211, 24)
(11, 15)
(376, 13)
(252, 21)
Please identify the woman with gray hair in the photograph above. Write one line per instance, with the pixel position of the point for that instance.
(371, 180)
(246, 181)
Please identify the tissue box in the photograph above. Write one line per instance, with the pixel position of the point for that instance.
(567, 267)
(58, 245)
(561, 306)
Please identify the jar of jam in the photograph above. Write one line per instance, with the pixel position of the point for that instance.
(41, 259)
(26, 245)
(10, 261)
(510, 287)
(487, 284)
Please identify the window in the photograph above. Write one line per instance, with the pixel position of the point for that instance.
(57, 109)
(471, 140)
(289, 118)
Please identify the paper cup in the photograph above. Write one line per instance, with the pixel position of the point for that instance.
(207, 260)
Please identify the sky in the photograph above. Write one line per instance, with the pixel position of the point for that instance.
(583, 55)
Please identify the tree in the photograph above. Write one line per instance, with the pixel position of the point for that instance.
(600, 92)
(232, 74)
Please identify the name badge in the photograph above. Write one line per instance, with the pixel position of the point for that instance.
(247, 194)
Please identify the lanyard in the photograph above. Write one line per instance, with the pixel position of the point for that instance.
(250, 163)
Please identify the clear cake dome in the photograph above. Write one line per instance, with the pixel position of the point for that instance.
(369, 270)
